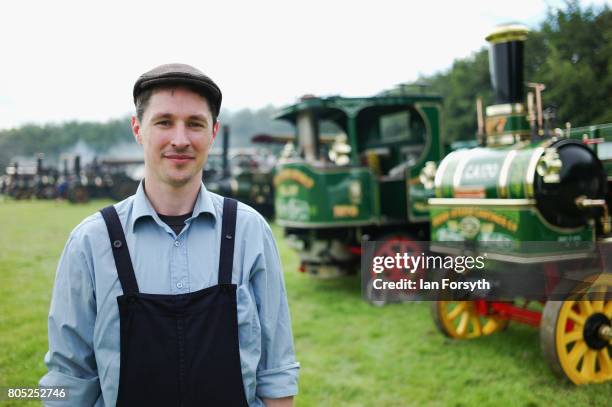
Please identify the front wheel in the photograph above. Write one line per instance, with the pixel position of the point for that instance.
(461, 320)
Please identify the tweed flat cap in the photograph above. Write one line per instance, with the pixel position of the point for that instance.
(180, 74)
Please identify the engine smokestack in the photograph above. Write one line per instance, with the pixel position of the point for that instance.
(506, 121)
(39, 164)
(506, 62)
(77, 165)
(225, 158)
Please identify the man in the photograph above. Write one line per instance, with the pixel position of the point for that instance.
(174, 296)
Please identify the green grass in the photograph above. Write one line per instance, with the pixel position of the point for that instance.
(351, 353)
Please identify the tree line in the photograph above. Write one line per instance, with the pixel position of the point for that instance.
(56, 139)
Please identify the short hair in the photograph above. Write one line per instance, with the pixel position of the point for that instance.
(142, 100)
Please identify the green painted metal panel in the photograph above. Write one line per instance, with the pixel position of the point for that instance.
(517, 171)
(393, 199)
(481, 222)
(516, 124)
(306, 195)
(418, 195)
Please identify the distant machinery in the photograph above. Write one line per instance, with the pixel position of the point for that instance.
(246, 174)
(108, 178)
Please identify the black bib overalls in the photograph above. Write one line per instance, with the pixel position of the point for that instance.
(178, 350)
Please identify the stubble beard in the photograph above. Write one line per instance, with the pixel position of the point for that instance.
(173, 176)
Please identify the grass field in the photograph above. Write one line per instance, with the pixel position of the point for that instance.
(351, 353)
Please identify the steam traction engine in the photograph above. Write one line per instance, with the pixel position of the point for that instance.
(354, 172)
(529, 182)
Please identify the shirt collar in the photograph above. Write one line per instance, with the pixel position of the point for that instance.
(142, 207)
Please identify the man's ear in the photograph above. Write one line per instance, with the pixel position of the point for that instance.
(136, 130)
(216, 128)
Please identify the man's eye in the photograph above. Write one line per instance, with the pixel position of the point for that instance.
(163, 122)
(196, 124)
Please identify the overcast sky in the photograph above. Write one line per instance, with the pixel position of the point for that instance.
(66, 60)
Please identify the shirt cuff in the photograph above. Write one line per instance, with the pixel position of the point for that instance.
(81, 391)
(278, 382)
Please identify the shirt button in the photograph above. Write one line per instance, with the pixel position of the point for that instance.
(177, 243)
(179, 285)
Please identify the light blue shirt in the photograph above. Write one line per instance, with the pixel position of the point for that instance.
(84, 316)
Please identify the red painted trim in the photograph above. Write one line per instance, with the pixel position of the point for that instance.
(510, 311)
(355, 250)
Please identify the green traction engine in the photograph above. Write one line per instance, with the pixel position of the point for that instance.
(529, 182)
(354, 173)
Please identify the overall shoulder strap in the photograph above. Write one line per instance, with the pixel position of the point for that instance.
(228, 229)
(121, 253)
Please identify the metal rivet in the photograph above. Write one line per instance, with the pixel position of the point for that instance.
(228, 236)
(117, 243)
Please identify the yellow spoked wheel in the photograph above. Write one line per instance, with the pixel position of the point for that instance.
(460, 320)
(576, 338)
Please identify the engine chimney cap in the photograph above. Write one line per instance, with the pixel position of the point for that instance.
(507, 33)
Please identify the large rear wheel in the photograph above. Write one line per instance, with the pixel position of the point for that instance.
(388, 246)
(576, 338)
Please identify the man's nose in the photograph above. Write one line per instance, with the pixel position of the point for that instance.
(180, 138)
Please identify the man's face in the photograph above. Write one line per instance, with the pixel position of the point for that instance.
(176, 133)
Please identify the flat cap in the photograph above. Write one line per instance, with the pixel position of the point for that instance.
(180, 74)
